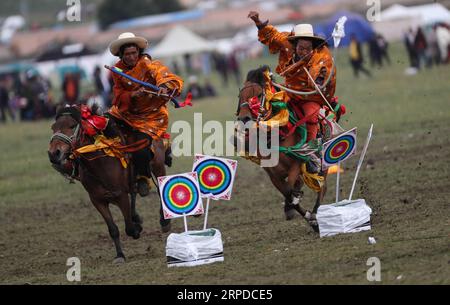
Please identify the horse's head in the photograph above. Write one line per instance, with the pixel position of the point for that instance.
(252, 95)
(65, 132)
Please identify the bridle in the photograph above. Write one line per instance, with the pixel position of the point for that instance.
(246, 103)
(70, 140)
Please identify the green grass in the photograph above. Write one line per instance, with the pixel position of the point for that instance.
(45, 220)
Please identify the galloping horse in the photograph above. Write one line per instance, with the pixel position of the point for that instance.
(104, 177)
(286, 176)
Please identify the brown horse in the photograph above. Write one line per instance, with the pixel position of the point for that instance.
(104, 177)
(286, 175)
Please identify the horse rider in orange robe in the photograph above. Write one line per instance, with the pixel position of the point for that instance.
(146, 113)
(298, 50)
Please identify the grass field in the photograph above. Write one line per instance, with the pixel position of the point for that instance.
(45, 220)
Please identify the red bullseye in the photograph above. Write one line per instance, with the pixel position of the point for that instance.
(337, 150)
(211, 177)
(180, 195)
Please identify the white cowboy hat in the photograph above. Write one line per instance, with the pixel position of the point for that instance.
(125, 38)
(304, 30)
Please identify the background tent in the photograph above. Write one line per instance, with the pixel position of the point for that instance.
(425, 14)
(178, 41)
(17, 67)
(356, 24)
(397, 19)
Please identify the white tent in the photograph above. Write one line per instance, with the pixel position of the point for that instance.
(180, 41)
(396, 12)
(427, 13)
(397, 19)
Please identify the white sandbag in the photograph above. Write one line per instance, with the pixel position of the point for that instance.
(346, 216)
(194, 248)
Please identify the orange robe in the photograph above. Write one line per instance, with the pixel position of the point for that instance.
(297, 79)
(148, 114)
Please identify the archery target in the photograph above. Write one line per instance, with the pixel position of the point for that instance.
(215, 176)
(180, 195)
(339, 149)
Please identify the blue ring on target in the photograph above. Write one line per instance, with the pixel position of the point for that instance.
(332, 156)
(167, 196)
(221, 185)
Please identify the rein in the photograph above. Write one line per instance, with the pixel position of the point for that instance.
(246, 104)
(69, 140)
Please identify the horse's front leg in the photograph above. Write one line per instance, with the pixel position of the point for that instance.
(311, 216)
(293, 203)
(132, 229)
(159, 169)
(321, 194)
(103, 208)
(135, 217)
(319, 199)
(278, 177)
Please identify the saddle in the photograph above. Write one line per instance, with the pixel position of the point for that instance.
(130, 136)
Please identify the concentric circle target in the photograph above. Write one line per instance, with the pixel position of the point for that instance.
(340, 149)
(214, 177)
(180, 195)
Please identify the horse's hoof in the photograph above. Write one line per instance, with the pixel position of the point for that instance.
(314, 226)
(138, 228)
(119, 260)
(166, 228)
(137, 219)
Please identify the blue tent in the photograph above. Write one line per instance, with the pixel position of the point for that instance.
(17, 67)
(356, 24)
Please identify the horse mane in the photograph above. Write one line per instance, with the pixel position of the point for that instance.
(257, 75)
(95, 109)
(73, 111)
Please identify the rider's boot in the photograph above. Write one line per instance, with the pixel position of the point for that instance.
(141, 160)
(168, 157)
